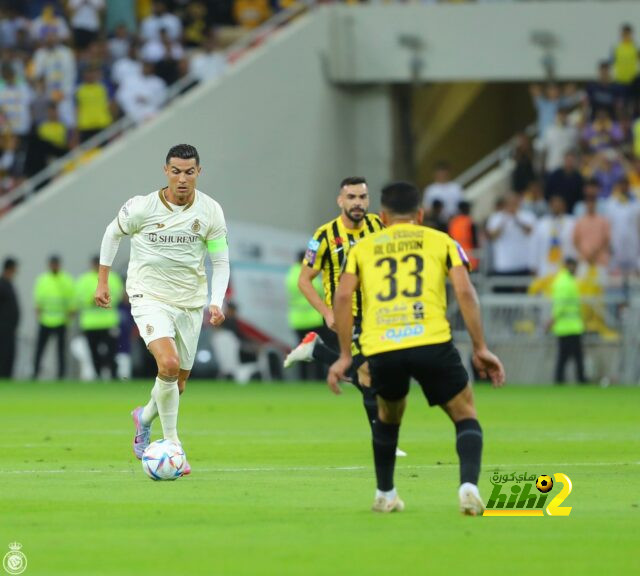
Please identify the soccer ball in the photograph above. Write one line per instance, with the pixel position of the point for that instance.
(163, 460)
(544, 483)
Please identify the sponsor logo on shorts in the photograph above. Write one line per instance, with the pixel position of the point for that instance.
(149, 329)
(195, 227)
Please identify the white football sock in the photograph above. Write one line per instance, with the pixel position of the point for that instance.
(167, 400)
(150, 411)
(390, 495)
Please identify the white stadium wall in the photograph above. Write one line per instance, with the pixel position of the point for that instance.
(482, 41)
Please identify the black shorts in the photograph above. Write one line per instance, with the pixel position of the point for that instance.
(330, 338)
(356, 351)
(437, 367)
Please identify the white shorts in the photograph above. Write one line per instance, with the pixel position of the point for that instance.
(159, 320)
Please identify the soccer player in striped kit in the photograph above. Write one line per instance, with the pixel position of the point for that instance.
(326, 254)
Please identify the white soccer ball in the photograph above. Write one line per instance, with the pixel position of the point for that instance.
(163, 460)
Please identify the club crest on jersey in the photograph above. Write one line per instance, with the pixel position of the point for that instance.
(149, 329)
(195, 227)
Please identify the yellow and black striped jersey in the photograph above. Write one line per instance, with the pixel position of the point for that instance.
(402, 272)
(327, 251)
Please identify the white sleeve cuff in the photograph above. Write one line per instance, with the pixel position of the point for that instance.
(219, 277)
(110, 243)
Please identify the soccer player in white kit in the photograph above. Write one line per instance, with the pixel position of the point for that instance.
(171, 230)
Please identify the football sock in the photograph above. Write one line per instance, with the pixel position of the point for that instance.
(370, 405)
(390, 495)
(323, 354)
(168, 400)
(150, 411)
(385, 442)
(469, 447)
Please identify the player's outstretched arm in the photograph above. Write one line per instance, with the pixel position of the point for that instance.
(305, 284)
(108, 251)
(344, 326)
(487, 363)
(219, 256)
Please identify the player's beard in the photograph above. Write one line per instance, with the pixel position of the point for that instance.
(183, 195)
(357, 218)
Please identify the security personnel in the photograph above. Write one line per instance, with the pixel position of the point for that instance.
(568, 325)
(53, 295)
(304, 318)
(99, 325)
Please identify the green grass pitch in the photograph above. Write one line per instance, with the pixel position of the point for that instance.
(282, 483)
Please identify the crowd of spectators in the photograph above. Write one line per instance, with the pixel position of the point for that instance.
(71, 68)
(575, 188)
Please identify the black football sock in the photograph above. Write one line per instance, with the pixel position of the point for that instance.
(469, 447)
(368, 397)
(323, 354)
(385, 442)
(370, 405)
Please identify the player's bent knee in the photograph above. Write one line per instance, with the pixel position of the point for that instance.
(461, 406)
(390, 412)
(169, 366)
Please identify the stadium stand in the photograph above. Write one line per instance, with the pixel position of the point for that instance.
(72, 69)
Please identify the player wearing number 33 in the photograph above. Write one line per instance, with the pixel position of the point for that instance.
(171, 231)
(401, 272)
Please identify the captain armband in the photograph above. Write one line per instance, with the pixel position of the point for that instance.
(217, 245)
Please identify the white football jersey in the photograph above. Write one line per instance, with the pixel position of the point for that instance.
(168, 246)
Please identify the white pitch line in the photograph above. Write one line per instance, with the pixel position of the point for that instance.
(488, 468)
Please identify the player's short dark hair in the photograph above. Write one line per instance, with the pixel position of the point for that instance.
(184, 152)
(443, 165)
(464, 207)
(400, 198)
(9, 264)
(352, 181)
